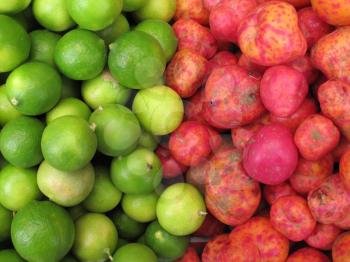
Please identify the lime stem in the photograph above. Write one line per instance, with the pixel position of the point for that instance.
(14, 101)
(93, 126)
(203, 213)
(100, 108)
(108, 254)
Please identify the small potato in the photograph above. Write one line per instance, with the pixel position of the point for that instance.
(323, 236)
(308, 254)
(192, 9)
(340, 249)
(273, 193)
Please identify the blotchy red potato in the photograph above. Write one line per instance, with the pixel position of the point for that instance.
(256, 240)
(271, 155)
(282, 90)
(312, 26)
(340, 249)
(215, 139)
(331, 53)
(334, 12)
(253, 69)
(185, 73)
(209, 4)
(307, 108)
(273, 193)
(344, 169)
(222, 58)
(342, 147)
(296, 3)
(311, 174)
(241, 135)
(192, 9)
(308, 254)
(270, 34)
(323, 236)
(195, 37)
(330, 202)
(211, 227)
(304, 65)
(196, 175)
(316, 137)
(231, 98)
(213, 250)
(190, 256)
(344, 223)
(291, 216)
(231, 196)
(225, 18)
(194, 107)
(171, 168)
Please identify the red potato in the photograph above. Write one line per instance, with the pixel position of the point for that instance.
(213, 250)
(342, 147)
(196, 175)
(340, 249)
(273, 193)
(192, 9)
(344, 169)
(311, 174)
(296, 3)
(308, 254)
(195, 37)
(222, 58)
(316, 137)
(194, 107)
(190, 256)
(253, 69)
(304, 65)
(323, 236)
(211, 227)
(282, 90)
(271, 156)
(215, 139)
(241, 135)
(171, 168)
(344, 223)
(210, 4)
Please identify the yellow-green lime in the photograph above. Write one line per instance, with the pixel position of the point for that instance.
(13, 6)
(135, 252)
(10, 255)
(133, 5)
(7, 111)
(157, 9)
(117, 28)
(5, 225)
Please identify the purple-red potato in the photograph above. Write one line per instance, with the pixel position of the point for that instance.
(241, 135)
(330, 202)
(342, 147)
(196, 175)
(231, 196)
(270, 34)
(311, 174)
(304, 65)
(223, 58)
(231, 98)
(273, 193)
(211, 227)
(331, 54)
(308, 254)
(296, 3)
(271, 156)
(340, 249)
(307, 108)
(213, 250)
(253, 69)
(192, 9)
(316, 137)
(291, 216)
(171, 168)
(210, 4)
(323, 236)
(334, 12)
(282, 90)
(215, 139)
(185, 73)
(195, 37)
(344, 169)
(194, 107)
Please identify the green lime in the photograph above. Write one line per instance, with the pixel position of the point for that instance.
(5, 225)
(137, 60)
(149, 141)
(141, 239)
(14, 43)
(13, 6)
(69, 107)
(20, 141)
(135, 252)
(139, 172)
(10, 255)
(77, 211)
(65, 188)
(157, 9)
(34, 88)
(121, 242)
(103, 90)
(80, 54)
(104, 196)
(3, 162)
(96, 237)
(26, 19)
(18, 187)
(70, 88)
(133, 5)
(68, 143)
(69, 259)
(42, 231)
(128, 228)
(52, 14)
(140, 207)
(117, 28)
(43, 46)
(7, 111)
(94, 15)
(165, 244)
(163, 32)
(159, 109)
(117, 129)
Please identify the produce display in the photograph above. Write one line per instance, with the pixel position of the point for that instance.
(175, 130)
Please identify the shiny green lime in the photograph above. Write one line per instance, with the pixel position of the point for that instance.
(133, 5)
(13, 6)
(117, 28)
(69, 107)
(157, 9)
(7, 111)
(6, 217)
(10, 255)
(135, 252)
(128, 228)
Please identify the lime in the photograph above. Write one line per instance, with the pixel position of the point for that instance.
(69, 107)
(140, 207)
(121, 242)
(7, 111)
(163, 32)
(14, 43)
(65, 188)
(94, 15)
(137, 60)
(69, 259)
(104, 89)
(157, 9)
(117, 28)
(13, 6)
(18, 187)
(117, 129)
(68, 143)
(141, 239)
(149, 141)
(5, 225)
(128, 228)
(133, 5)
(165, 244)
(77, 211)
(42, 231)
(3, 162)
(80, 54)
(70, 88)
(43, 46)
(104, 196)
(52, 14)
(96, 237)
(135, 252)
(34, 88)
(10, 255)
(159, 109)
(20, 141)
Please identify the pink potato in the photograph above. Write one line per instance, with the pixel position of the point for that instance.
(194, 107)
(282, 90)
(344, 223)
(341, 248)
(273, 193)
(222, 58)
(192, 9)
(271, 155)
(171, 167)
(196, 175)
(253, 69)
(213, 250)
(304, 65)
(210, 4)
(291, 216)
(323, 236)
(296, 3)
(241, 135)
(308, 254)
